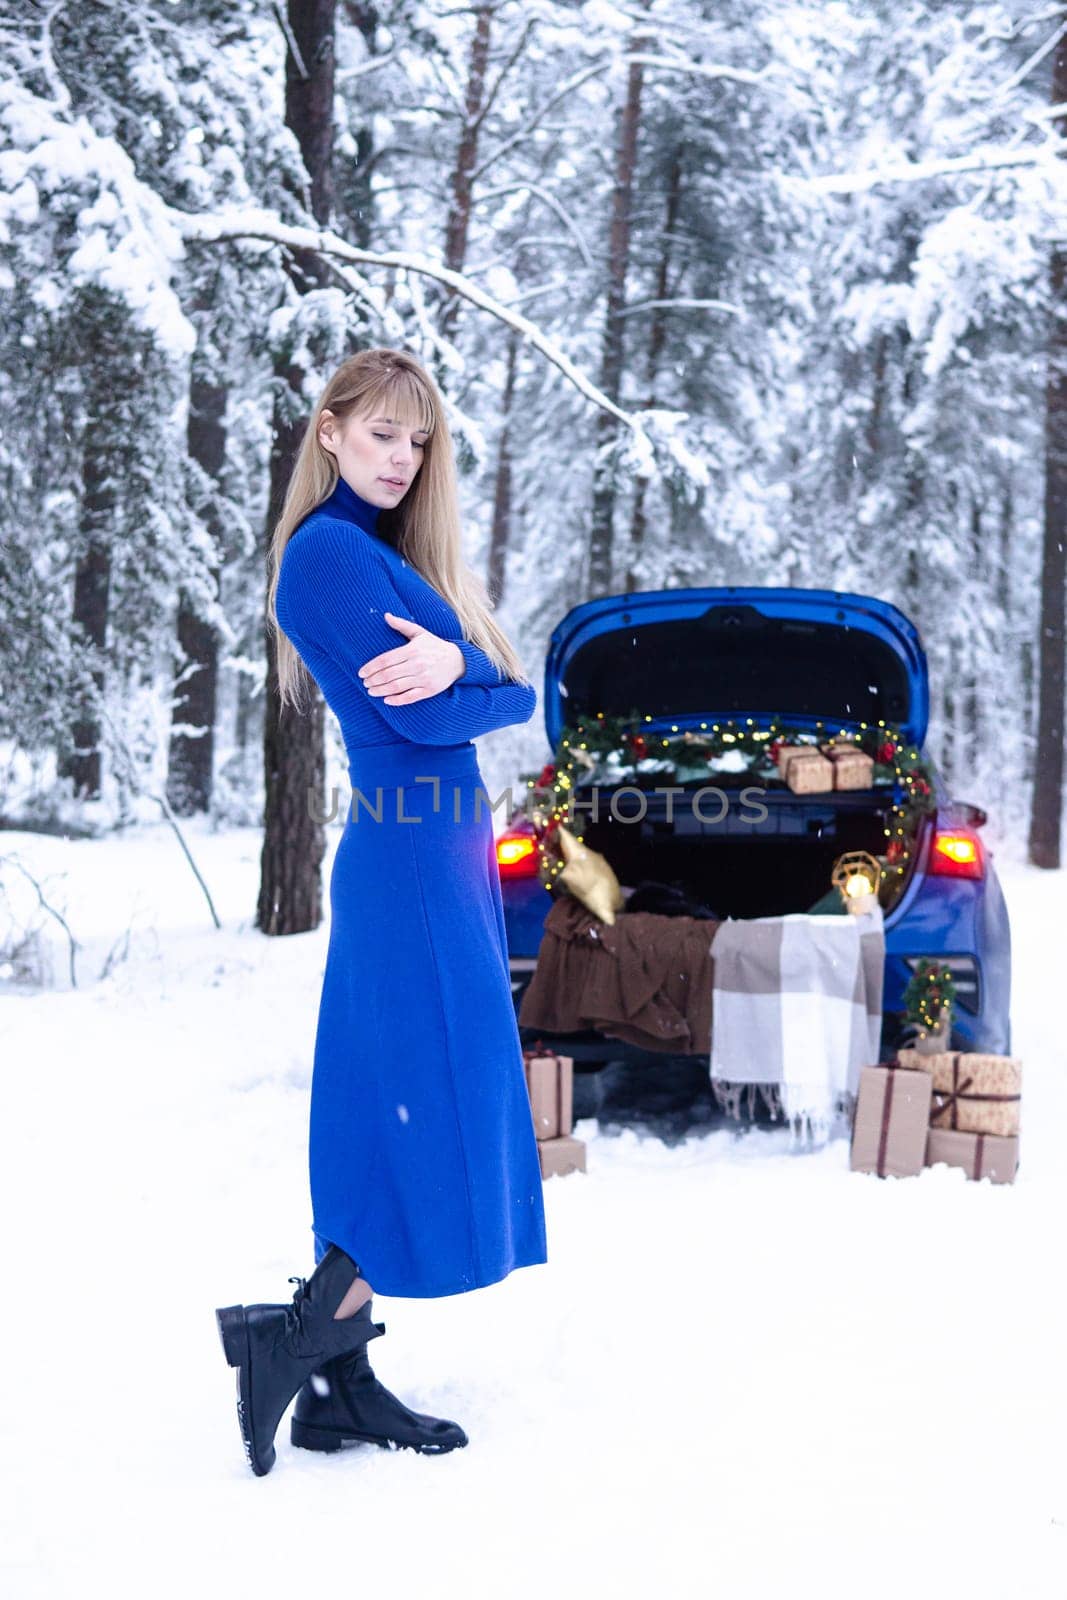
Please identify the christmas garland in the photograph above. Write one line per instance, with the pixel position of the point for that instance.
(597, 750)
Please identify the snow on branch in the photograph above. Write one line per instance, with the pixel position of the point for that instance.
(122, 237)
(683, 305)
(570, 85)
(1045, 113)
(920, 171)
(548, 199)
(1034, 60)
(218, 228)
(362, 68)
(698, 69)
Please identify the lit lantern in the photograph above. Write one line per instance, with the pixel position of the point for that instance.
(857, 877)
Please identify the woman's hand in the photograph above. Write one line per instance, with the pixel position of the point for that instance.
(413, 671)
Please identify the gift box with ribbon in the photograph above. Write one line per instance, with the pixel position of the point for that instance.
(809, 772)
(972, 1093)
(853, 768)
(889, 1129)
(560, 1156)
(784, 753)
(550, 1081)
(981, 1155)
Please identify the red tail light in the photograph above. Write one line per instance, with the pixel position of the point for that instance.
(516, 855)
(956, 854)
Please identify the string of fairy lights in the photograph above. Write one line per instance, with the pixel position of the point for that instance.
(586, 745)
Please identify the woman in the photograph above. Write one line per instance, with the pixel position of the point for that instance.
(422, 1154)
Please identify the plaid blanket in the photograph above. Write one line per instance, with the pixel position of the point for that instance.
(797, 1002)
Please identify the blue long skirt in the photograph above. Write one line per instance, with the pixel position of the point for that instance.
(422, 1154)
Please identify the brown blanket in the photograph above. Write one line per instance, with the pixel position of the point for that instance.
(647, 979)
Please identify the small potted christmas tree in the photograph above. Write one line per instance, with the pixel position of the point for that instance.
(928, 1001)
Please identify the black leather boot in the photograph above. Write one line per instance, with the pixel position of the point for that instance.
(344, 1403)
(275, 1348)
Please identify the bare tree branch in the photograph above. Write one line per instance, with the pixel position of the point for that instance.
(290, 39)
(218, 228)
(164, 806)
(372, 64)
(506, 66)
(669, 63)
(13, 861)
(124, 759)
(553, 204)
(1030, 63)
(696, 68)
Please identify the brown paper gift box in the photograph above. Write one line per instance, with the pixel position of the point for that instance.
(853, 769)
(550, 1080)
(786, 752)
(972, 1093)
(891, 1122)
(560, 1156)
(981, 1155)
(810, 773)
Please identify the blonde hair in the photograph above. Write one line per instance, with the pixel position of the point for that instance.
(425, 525)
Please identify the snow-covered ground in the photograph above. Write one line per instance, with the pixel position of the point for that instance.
(743, 1372)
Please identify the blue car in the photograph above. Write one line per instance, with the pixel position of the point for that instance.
(808, 657)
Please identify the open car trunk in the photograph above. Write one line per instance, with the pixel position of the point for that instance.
(817, 661)
(742, 866)
(682, 655)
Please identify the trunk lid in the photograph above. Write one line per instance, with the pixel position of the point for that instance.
(686, 655)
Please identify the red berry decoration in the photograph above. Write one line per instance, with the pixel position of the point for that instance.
(548, 776)
(886, 753)
(894, 850)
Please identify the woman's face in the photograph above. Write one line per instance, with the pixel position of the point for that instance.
(375, 455)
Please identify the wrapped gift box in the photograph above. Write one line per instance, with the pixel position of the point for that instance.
(853, 768)
(560, 1156)
(973, 1093)
(981, 1155)
(810, 773)
(891, 1122)
(786, 752)
(550, 1080)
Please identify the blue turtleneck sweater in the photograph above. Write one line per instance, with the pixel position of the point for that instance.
(338, 577)
(349, 505)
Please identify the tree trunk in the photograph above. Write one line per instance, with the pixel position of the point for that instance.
(294, 767)
(309, 95)
(501, 531)
(601, 537)
(948, 719)
(656, 337)
(1029, 697)
(92, 584)
(1047, 803)
(191, 755)
(914, 488)
(294, 764)
(1005, 598)
(457, 226)
(356, 199)
(1046, 816)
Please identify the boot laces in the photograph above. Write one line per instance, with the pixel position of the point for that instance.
(294, 1314)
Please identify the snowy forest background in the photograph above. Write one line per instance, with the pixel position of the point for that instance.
(717, 293)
